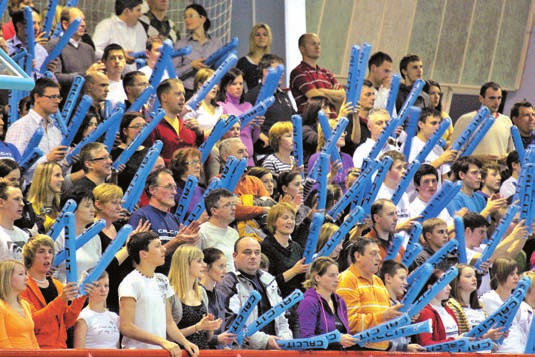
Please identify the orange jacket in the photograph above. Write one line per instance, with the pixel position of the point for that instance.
(52, 320)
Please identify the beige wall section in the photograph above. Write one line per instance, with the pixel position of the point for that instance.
(463, 43)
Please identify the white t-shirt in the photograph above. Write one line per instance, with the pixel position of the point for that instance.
(403, 205)
(86, 257)
(474, 316)
(11, 243)
(508, 187)
(220, 238)
(102, 328)
(485, 279)
(518, 333)
(450, 326)
(151, 295)
(417, 206)
(116, 94)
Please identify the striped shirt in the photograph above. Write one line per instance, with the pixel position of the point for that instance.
(366, 301)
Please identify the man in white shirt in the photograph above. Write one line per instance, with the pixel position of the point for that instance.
(114, 59)
(220, 205)
(377, 121)
(124, 29)
(46, 98)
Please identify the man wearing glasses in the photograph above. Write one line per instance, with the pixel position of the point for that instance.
(221, 208)
(45, 99)
(134, 83)
(96, 163)
(160, 187)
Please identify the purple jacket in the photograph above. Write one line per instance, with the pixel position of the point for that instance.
(314, 319)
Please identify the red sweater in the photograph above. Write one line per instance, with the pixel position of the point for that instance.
(52, 320)
(439, 332)
(171, 141)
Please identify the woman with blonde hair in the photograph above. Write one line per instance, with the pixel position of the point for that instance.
(323, 310)
(16, 324)
(281, 140)
(108, 204)
(326, 232)
(55, 307)
(208, 112)
(190, 302)
(45, 192)
(260, 40)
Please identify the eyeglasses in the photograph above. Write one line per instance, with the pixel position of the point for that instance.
(193, 162)
(53, 97)
(137, 127)
(169, 187)
(228, 205)
(107, 157)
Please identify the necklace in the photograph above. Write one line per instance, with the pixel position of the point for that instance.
(44, 281)
(145, 276)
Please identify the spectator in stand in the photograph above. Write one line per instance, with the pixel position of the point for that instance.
(160, 187)
(189, 304)
(114, 58)
(123, 29)
(216, 233)
(55, 307)
(311, 125)
(498, 141)
(411, 68)
(281, 110)
(523, 116)
(156, 22)
(236, 287)
(173, 130)
(187, 162)
(265, 176)
(131, 125)
(231, 99)
(347, 161)
(12, 238)
(504, 278)
(20, 41)
(309, 80)
(146, 321)
(281, 140)
(433, 90)
(491, 179)
(45, 99)
(203, 44)
(84, 215)
(97, 327)
(508, 188)
(8, 28)
(278, 247)
(77, 57)
(367, 299)
(468, 170)
(323, 310)
(96, 164)
(215, 273)
(464, 302)
(259, 44)
(45, 192)
(152, 51)
(394, 276)
(16, 324)
(443, 321)
(134, 83)
(435, 234)
(208, 112)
